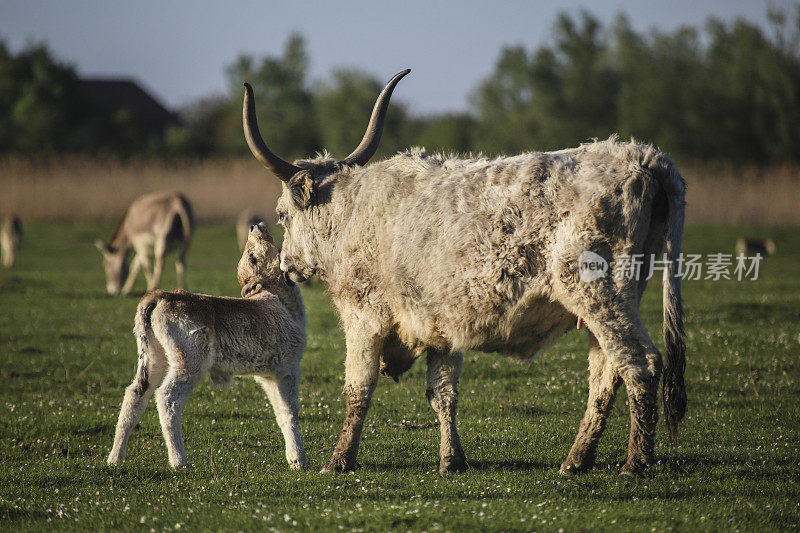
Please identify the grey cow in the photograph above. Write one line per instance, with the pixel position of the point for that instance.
(445, 254)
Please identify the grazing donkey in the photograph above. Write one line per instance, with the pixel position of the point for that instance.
(247, 219)
(10, 234)
(154, 224)
(444, 254)
(182, 336)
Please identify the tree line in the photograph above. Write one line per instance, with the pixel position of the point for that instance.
(723, 91)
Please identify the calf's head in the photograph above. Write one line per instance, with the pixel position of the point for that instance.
(115, 263)
(304, 207)
(260, 262)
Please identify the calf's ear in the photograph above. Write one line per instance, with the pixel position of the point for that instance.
(302, 187)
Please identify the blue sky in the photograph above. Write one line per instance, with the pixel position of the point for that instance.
(178, 49)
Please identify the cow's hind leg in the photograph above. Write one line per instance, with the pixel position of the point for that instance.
(603, 383)
(626, 344)
(444, 370)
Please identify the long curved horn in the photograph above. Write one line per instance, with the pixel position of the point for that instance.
(275, 164)
(372, 137)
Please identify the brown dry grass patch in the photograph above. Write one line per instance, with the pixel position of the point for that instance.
(83, 188)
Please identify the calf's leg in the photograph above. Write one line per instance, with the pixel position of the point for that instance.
(282, 392)
(171, 398)
(135, 401)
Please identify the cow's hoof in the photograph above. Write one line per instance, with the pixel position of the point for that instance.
(456, 463)
(569, 468)
(338, 464)
(634, 468)
(578, 463)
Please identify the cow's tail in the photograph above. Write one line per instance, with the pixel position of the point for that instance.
(674, 389)
(141, 326)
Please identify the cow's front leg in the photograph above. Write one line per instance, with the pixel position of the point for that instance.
(361, 376)
(444, 370)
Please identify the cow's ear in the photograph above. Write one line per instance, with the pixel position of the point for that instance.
(302, 187)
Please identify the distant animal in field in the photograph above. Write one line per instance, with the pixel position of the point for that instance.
(749, 247)
(10, 236)
(182, 336)
(247, 219)
(153, 225)
(444, 254)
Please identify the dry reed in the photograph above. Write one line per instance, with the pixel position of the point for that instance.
(83, 188)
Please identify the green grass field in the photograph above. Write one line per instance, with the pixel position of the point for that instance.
(67, 353)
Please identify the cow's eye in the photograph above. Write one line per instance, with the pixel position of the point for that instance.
(253, 260)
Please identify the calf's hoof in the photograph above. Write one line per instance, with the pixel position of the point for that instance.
(297, 465)
(115, 460)
(339, 463)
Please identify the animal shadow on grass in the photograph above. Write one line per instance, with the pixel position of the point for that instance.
(94, 429)
(745, 311)
(511, 465)
(9, 515)
(735, 466)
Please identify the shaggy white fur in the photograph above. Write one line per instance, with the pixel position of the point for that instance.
(445, 254)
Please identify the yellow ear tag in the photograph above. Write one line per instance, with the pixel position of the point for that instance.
(306, 192)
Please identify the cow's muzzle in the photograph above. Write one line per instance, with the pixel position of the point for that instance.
(287, 279)
(294, 276)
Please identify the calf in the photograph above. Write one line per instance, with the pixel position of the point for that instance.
(182, 336)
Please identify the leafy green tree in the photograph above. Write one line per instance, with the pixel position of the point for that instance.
(727, 92)
(284, 102)
(448, 133)
(343, 106)
(555, 96)
(43, 107)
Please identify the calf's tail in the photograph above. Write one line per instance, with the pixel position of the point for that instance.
(141, 325)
